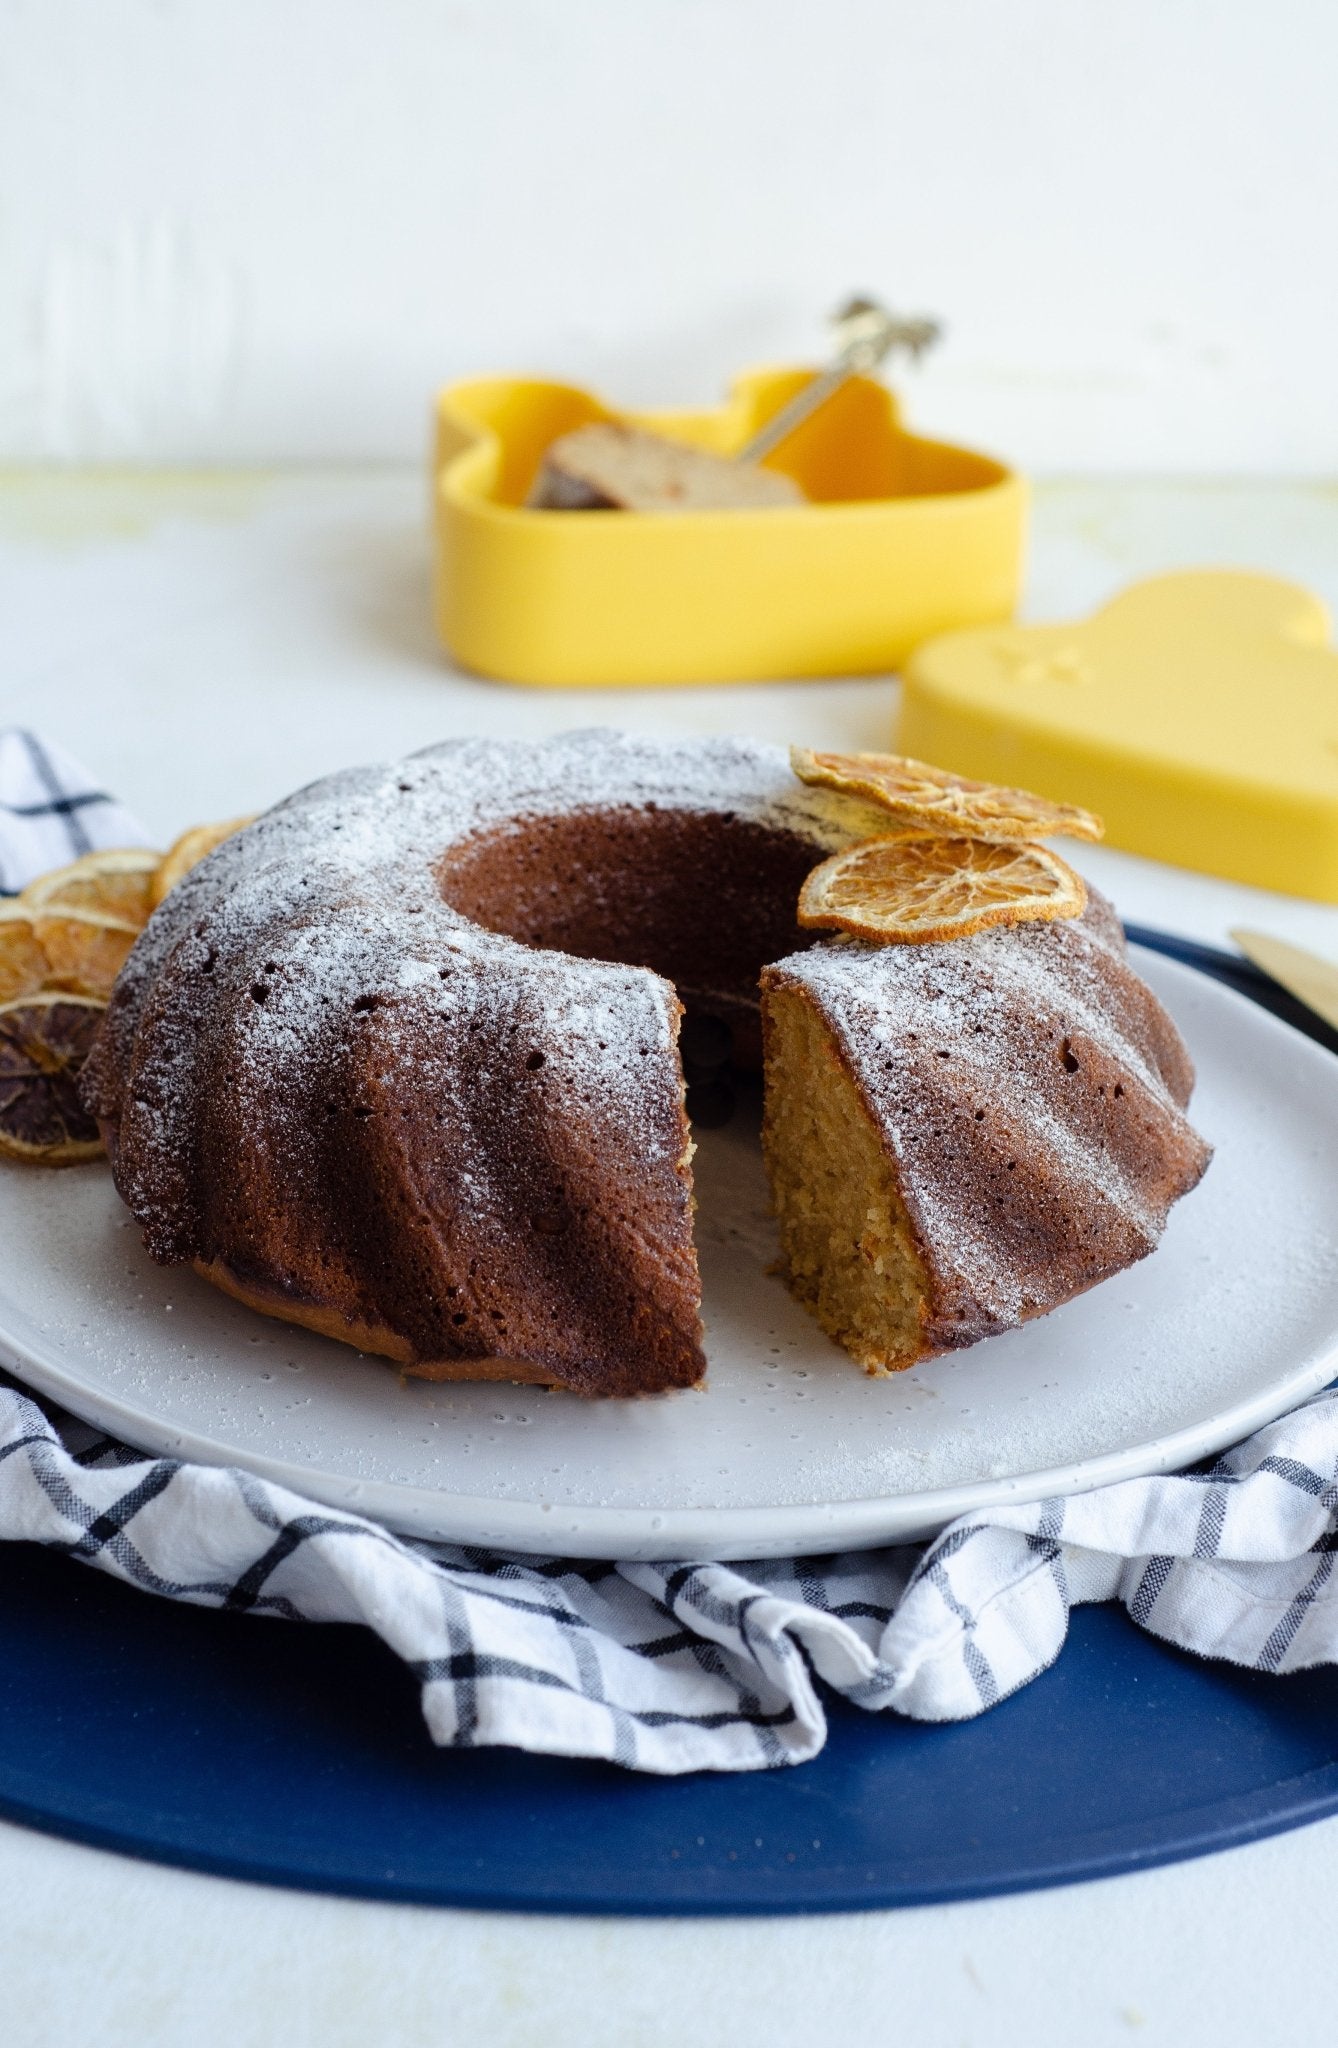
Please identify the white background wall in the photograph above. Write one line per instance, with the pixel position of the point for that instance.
(260, 230)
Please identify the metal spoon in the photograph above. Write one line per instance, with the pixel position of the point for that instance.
(866, 334)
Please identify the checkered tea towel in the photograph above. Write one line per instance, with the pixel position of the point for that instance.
(50, 811)
(681, 1667)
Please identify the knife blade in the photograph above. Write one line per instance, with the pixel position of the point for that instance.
(1312, 980)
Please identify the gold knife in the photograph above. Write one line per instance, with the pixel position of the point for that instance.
(1304, 975)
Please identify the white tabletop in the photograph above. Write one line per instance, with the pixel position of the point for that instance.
(205, 644)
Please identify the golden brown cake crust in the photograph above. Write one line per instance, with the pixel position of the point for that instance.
(375, 1338)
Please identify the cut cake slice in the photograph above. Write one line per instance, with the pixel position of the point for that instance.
(608, 467)
(962, 1136)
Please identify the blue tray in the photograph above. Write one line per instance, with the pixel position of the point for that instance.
(297, 1756)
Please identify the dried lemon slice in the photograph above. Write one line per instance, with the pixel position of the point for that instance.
(23, 965)
(112, 883)
(930, 799)
(84, 952)
(916, 887)
(44, 1041)
(188, 851)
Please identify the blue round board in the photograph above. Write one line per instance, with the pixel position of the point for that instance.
(297, 1756)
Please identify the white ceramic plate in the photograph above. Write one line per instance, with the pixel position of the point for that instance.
(790, 1448)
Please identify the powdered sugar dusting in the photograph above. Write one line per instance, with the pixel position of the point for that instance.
(338, 886)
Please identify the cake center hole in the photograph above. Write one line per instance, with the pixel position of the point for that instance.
(705, 900)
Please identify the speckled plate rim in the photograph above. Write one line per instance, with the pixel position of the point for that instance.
(537, 1528)
(688, 1534)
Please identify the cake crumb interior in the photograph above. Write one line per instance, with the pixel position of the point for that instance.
(846, 1241)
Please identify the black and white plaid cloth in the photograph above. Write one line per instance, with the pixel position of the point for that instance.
(675, 1667)
(50, 812)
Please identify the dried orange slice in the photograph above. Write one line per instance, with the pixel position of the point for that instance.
(920, 886)
(188, 851)
(84, 952)
(112, 883)
(44, 1041)
(929, 799)
(23, 965)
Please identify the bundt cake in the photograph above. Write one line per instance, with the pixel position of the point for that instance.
(399, 1062)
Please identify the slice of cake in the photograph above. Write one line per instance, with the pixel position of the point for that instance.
(960, 1137)
(607, 467)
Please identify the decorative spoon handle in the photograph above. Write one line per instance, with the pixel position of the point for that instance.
(866, 333)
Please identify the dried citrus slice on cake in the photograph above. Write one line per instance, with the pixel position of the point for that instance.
(115, 883)
(84, 952)
(23, 966)
(930, 799)
(44, 1041)
(916, 887)
(188, 851)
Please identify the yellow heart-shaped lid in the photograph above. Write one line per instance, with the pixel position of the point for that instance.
(1197, 712)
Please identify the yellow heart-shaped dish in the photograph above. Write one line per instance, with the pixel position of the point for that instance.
(901, 537)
